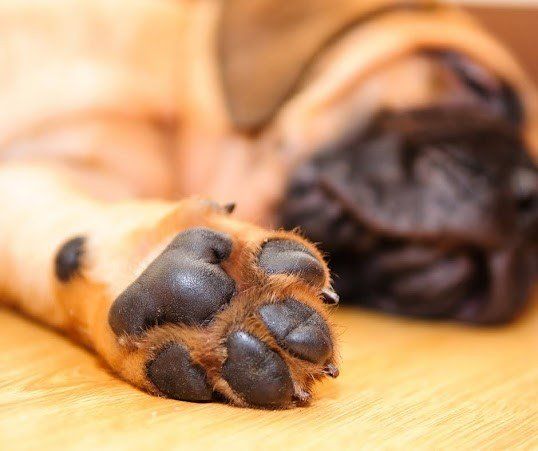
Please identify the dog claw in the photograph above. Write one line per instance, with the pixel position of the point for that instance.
(331, 371)
(229, 207)
(302, 396)
(330, 297)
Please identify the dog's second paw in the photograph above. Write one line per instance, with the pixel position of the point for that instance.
(224, 313)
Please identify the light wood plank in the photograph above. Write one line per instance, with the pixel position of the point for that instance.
(403, 383)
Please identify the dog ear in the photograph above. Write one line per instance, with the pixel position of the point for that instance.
(266, 45)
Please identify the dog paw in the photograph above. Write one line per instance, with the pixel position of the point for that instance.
(221, 313)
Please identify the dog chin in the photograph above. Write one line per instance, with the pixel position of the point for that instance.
(425, 217)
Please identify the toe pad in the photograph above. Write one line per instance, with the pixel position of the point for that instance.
(173, 373)
(299, 329)
(256, 372)
(290, 257)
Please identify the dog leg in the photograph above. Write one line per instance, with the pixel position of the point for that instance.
(178, 298)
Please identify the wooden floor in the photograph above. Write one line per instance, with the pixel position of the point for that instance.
(403, 384)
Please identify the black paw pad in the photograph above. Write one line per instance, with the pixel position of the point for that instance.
(184, 285)
(299, 329)
(68, 258)
(290, 257)
(256, 372)
(173, 373)
(204, 244)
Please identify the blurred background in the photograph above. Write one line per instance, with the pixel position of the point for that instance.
(513, 22)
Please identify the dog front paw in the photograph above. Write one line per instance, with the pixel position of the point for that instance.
(218, 314)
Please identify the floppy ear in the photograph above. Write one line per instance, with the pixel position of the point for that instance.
(266, 45)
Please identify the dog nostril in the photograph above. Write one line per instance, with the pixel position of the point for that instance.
(525, 189)
(525, 203)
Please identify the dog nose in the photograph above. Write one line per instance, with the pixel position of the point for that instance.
(422, 175)
(508, 277)
(524, 185)
(419, 179)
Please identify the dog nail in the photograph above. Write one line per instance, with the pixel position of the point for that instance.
(331, 370)
(229, 208)
(330, 297)
(68, 259)
(302, 396)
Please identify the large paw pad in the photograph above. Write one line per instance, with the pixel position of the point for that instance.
(184, 285)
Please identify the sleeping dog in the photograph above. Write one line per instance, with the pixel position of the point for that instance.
(397, 134)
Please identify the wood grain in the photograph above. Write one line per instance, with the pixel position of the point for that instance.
(403, 383)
